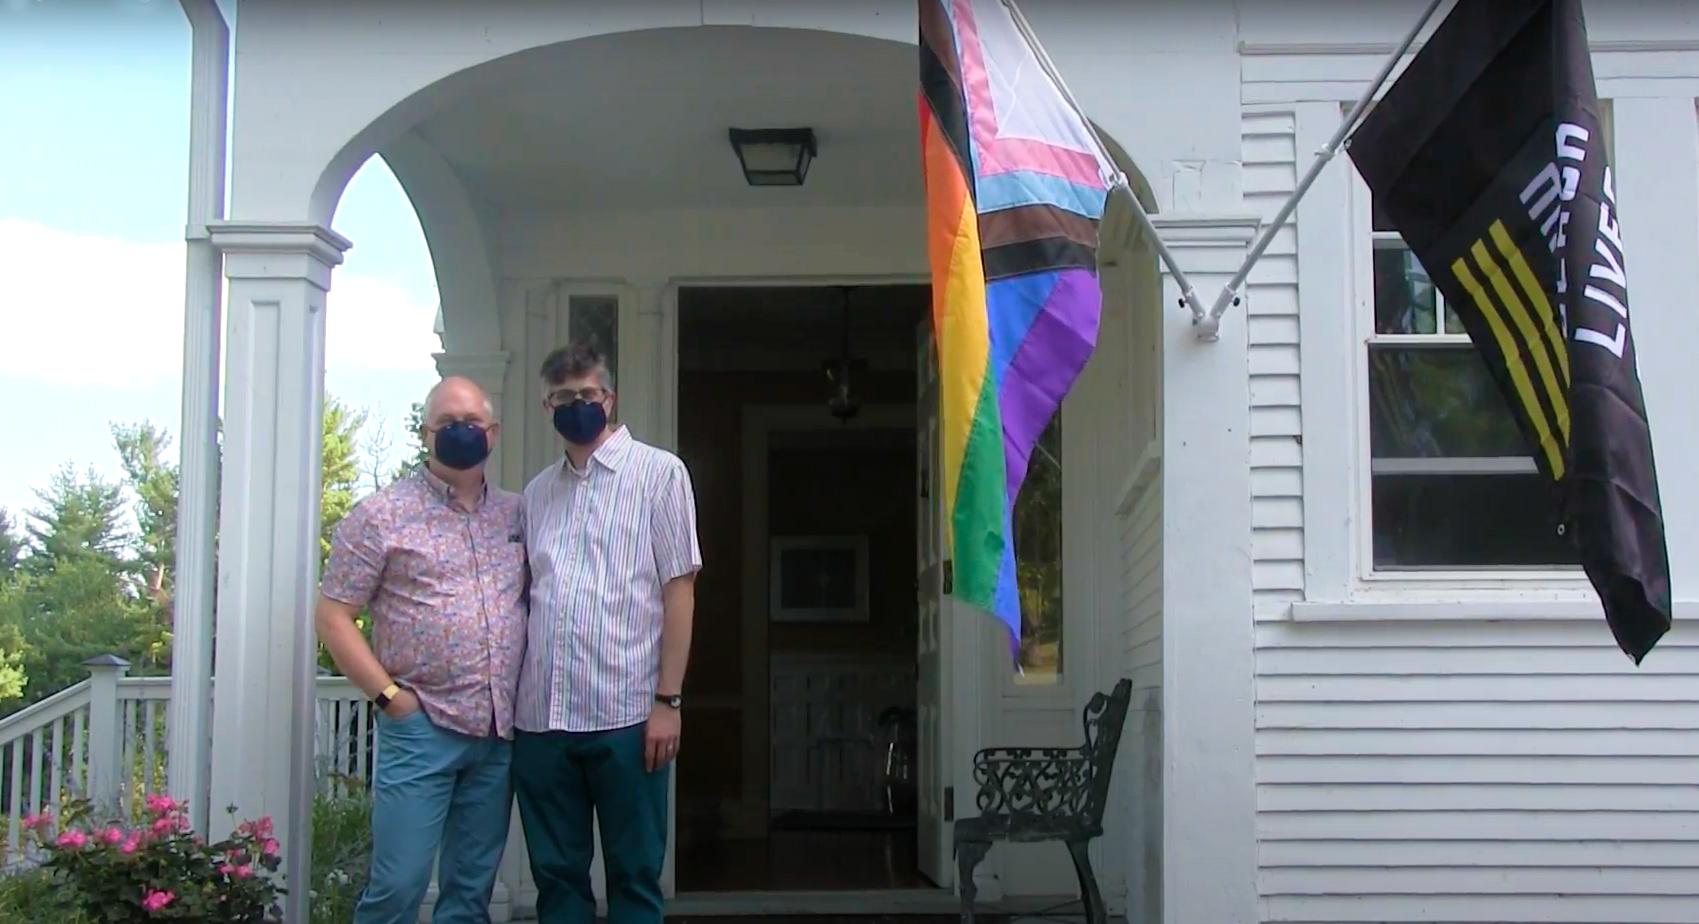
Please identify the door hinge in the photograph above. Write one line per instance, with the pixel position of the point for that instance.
(949, 577)
(949, 803)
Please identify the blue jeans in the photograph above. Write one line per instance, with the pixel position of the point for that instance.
(434, 788)
(563, 779)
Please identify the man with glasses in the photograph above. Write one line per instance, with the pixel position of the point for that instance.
(437, 562)
(611, 529)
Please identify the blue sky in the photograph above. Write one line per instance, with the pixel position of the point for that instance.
(93, 175)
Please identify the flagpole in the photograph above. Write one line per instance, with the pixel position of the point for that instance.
(1188, 295)
(1209, 328)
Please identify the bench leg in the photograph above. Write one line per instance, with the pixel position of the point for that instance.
(968, 855)
(1090, 896)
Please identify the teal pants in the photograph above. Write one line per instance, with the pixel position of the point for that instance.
(434, 790)
(563, 781)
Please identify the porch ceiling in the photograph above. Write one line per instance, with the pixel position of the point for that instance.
(639, 120)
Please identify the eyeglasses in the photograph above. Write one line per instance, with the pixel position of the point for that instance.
(565, 396)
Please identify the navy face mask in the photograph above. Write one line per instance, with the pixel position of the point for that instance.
(462, 445)
(581, 421)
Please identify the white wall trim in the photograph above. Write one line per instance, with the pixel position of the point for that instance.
(1314, 49)
(1501, 607)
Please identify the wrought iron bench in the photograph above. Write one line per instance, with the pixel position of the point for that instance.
(1029, 795)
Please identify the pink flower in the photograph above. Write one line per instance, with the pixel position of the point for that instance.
(74, 840)
(38, 822)
(112, 836)
(244, 871)
(156, 901)
(131, 844)
(271, 847)
(166, 824)
(159, 805)
(227, 870)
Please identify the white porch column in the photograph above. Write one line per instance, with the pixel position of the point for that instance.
(489, 371)
(1209, 859)
(190, 737)
(268, 568)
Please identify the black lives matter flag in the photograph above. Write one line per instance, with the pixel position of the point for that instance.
(1488, 156)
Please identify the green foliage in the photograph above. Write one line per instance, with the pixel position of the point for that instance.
(340, 466)
(416, 433)
(11, 547)
(342, 850)
(151, 476)
(81, 518)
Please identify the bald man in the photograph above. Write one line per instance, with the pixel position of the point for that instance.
(437, 562)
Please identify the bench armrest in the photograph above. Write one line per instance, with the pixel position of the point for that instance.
(1045, 782)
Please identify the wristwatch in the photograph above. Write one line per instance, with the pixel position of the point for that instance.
(386, 696)
(675, 701)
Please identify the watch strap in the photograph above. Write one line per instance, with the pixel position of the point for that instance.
(386, 696)
(675, 701)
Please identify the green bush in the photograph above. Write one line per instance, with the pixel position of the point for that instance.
(341, 852)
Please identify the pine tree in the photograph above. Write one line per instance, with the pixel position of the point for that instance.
(11, 547)
(81, 517)
(340, 466)
(150, 473)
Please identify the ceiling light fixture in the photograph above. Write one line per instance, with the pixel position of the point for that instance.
(774, 156)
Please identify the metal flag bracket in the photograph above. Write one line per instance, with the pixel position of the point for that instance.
(1209, 326)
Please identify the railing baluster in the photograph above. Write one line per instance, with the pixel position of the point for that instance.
(126, 756)
(14, 817)
(360, 759)
(58, 767)
(151, 713)
(79, 762)
(38, 742)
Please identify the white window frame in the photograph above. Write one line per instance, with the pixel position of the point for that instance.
(1364, 240)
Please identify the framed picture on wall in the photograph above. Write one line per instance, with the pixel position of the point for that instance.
(818, 579)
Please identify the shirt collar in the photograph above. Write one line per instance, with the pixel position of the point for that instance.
(445, 491)
(610, 455)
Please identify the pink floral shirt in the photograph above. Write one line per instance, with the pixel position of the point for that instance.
(445, 590)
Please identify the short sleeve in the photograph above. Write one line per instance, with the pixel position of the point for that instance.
(673, 523)
(357, 553)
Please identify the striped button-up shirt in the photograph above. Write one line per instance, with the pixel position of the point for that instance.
(603, 540)
(446, 592)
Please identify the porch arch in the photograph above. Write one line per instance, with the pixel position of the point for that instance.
(461, 229)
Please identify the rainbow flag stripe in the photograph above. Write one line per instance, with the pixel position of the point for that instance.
(1015, 189)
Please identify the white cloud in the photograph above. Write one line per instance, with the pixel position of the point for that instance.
(85, 310)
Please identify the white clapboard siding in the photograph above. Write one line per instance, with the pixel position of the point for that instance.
(1138, 524)
(1471, 772)
(1452, 773)
(1277, 482)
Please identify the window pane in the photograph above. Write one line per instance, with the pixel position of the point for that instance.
(1405, 299)
(1462, 522)
(594, 319)
(1432, 402)
(1038, 559)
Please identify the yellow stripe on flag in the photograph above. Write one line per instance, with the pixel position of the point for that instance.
(1535, 293)
(1530, 336)
(1513, 363)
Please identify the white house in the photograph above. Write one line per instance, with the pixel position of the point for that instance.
(1363, 692)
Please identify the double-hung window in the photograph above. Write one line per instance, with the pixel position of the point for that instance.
(1451, 485)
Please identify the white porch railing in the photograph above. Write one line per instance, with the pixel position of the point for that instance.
(104, 739)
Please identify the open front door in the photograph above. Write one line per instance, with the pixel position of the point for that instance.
(933, 698)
